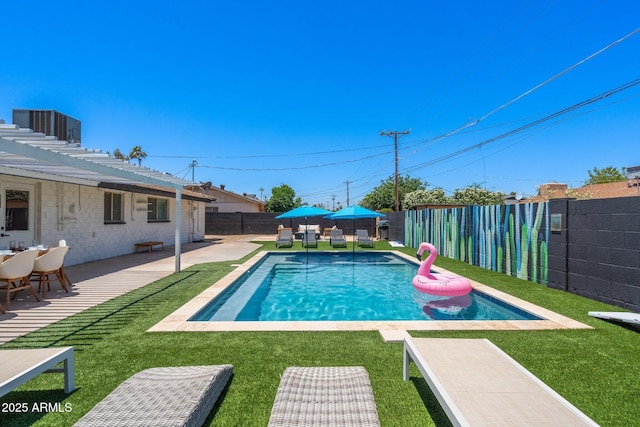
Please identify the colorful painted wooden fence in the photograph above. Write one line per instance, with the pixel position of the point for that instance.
(510, 239)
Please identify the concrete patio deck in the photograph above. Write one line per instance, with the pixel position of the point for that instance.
(100, 281)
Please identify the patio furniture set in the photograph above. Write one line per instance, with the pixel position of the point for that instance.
(19, 269)
(310, 235)
(475, 382)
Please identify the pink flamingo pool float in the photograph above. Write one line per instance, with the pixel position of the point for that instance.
(435, 283)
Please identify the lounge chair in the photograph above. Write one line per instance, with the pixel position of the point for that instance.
(310, 239)
(337, 238)
(171, 396)
(21, 365)
(624, 318)
(477, 384)
(364, 239)
(324, 396)
(285, 238)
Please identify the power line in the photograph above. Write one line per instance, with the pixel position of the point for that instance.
(286, 155)
(563, 72)
(471, 123)
(532, 124)
(289, 168)
(432, 140)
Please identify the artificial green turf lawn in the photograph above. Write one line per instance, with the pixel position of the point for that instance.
(596, 369)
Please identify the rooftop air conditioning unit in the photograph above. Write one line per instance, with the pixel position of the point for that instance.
(51, 123)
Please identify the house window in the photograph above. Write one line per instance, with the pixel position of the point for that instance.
(158, 210)
(113, 208)
(17, 211)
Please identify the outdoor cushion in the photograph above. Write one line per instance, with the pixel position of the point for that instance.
(323, 397)
(171, 396)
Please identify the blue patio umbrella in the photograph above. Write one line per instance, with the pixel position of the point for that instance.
(305, 212)
(355, 212)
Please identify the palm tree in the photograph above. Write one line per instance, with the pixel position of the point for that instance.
(137, 153)
(118, 155)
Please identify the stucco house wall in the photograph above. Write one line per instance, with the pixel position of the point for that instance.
(75, 213)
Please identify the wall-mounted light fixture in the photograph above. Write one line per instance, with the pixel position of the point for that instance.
(556, 222)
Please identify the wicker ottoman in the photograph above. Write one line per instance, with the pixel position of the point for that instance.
(172, 396)
(324, 396)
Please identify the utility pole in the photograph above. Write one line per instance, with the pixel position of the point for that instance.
(333, 197)
(395, 134)
(347, 182)
(194, 163)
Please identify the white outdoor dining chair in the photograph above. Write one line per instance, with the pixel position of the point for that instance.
(15, 272)
(47, 264)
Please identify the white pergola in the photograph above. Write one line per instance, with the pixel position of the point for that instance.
(35, 155)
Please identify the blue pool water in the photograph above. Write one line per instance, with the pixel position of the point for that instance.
(344, 286)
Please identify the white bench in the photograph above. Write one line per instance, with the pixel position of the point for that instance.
(477, 384)
(21, 365)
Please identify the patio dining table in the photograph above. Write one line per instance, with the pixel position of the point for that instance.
(8, 253)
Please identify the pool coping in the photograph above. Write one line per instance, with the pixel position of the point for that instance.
(178, 320)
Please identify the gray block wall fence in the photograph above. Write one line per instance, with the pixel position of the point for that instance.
(396, 226)
(596, 252)
(222, 223)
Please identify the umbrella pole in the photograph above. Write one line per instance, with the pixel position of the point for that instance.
(353, 246)
(304, 236)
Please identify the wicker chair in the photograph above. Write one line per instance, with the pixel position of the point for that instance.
(171, 396)
(324, 396)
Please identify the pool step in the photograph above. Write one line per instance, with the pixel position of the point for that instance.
(240, 297)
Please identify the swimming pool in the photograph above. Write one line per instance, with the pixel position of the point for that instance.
(390, 329)
(341, 286)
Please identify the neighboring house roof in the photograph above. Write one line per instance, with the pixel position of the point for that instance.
(220, 192)
(593, 191)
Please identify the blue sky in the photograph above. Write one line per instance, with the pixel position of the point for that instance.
(268, 93)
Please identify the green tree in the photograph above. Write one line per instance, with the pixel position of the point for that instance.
(476, 195)
(138, 154)
(607, 174)
(425, 197)
(383, 196)
(282, 199)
